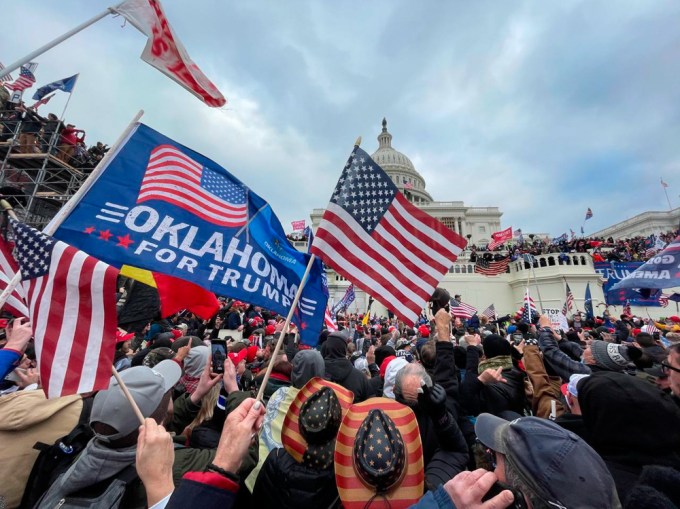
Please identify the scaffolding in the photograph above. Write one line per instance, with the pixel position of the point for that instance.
(37, 176)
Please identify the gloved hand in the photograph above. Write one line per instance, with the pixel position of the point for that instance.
(433, 401)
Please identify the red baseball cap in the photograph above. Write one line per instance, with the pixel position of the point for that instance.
(124, 336)
(238, 357)
(424, 331)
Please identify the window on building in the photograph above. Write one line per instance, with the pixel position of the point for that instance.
(482, 229)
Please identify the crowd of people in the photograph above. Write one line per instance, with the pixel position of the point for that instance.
(35, 134)
(635, 249)
(448, 414)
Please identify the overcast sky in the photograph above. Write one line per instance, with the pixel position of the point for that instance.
(540, 108)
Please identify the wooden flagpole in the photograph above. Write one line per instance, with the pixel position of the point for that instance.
(279, 342)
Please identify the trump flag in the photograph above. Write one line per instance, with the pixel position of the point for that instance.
(162, 207)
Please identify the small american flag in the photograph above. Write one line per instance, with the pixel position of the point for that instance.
(462, 310)
(330, 323)
(408, 185)
(570, 299)
(492, 268)
(490, 312)
(663, 300)
(16, 303)
(42, 101)
(589, 213)
(372, 235)
(650, 328)
(25, 80)
(626, 309)
(174, 177)
(72, 306)
(529, 311)
(6, 77)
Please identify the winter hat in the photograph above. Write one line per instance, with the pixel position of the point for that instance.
(382, 352)
(157, 355)
(610, 355)
(391, 376)
(495, 346)
(195, 362)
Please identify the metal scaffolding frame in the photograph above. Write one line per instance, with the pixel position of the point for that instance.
(34, 178)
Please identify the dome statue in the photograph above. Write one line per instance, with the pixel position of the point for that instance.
(400, 169)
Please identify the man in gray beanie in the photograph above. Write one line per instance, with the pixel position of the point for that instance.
(603, 356)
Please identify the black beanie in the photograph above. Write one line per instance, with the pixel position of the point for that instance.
(382, 353)
(495, 346)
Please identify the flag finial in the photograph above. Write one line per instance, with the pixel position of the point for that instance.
(358, 142)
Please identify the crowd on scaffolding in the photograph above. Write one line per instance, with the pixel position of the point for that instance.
(33, 134)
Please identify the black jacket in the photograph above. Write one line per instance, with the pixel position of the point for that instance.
(493, 398)
(284, 483)
(341, 371)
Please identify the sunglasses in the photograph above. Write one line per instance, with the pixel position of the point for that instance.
(666, 368)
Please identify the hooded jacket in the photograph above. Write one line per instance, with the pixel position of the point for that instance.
(340, 370)
(27, 417)
(630, 423)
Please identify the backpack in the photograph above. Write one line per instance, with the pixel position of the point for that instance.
(106, 494)
(55, 459)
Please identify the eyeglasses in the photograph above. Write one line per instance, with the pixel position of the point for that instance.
(666, 368)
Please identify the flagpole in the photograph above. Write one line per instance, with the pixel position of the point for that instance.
(63, 113)
(15, 65)
(69, 205)
(279, 341)
(665, 190)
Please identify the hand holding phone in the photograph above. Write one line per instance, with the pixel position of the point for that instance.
(218, 348)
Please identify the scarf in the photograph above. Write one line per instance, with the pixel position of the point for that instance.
(502, 361)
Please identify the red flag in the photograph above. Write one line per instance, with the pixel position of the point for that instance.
(177, 294)
(16, 303)
(165, 52)
(72, 306)
(500, 237)
(298, 225)
(372, 235)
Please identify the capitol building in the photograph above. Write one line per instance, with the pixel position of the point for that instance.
(546, 279)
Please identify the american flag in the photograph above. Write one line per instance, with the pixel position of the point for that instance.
(490, 312)
(346, 300)
(174, 177)
(25, 80)
(492, 268)
(529, 311)
(462, 310)
(572, 233)
(72, 305)
(408, 185)
(650, 328)
(626, 308)
(499, 238)
(42, 101)
(6, 77)
(570, 299)
(372, 235)
(663, 300)
(330, 323)
(16, 303)
(589, 214)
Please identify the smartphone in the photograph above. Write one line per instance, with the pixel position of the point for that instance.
(218, 348)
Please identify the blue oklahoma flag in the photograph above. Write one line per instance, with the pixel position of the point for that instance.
(151, 208)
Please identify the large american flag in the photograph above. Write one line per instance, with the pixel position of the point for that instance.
(492, 268)
(72, 306)
(16, 303)
(372, 235)
(25, 80)
(6, 77)
(174, 177)
(529, 310)
(462, 310)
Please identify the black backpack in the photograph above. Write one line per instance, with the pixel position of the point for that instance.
(55, 459)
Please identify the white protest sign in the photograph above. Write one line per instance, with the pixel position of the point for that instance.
(557, 319)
